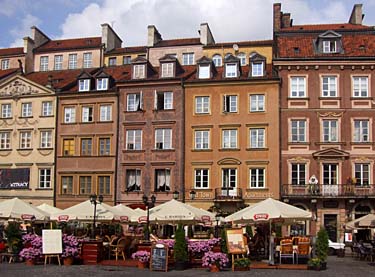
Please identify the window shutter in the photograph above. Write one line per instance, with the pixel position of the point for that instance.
(141, 101)
(155, 100)
(224, 103)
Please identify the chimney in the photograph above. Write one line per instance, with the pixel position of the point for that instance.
(109, 38)
(206, 37)
(153, 36)
(276, 17)
(49, 81)
(285, 20)
(38, 37)
(357, 16)
(28, 47)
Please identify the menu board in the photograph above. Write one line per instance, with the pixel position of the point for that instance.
(235, 241)
(159, 257)
(52, 242)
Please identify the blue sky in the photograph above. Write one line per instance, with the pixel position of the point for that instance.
(233, 20)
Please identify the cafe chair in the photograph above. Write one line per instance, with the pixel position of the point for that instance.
(119, 249)
(286, 249)
(303, 248)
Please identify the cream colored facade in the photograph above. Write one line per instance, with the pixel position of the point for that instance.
(120, 57)
(19, 93)
(155, 53)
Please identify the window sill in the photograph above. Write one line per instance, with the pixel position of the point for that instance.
(105, 121)
(201, 150)
(45, 148)
(330, 143)
(257, 111)
(140, 111)
(257, 149)
(252, 189)
(25, 117)
(87, 122)
(133, 151)
(202, 114)
(361, 143)
(5, 118)
(164, 110)
(46, 116)
(329, 98)
(298, 143)
(6, 150)
(361, 98)
(68, 123)
(48, 189)
(229, 149)
(24, 149)
(298, 98)
(162, 150)
(133, 192)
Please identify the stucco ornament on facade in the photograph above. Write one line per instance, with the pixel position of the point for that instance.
(18, 88)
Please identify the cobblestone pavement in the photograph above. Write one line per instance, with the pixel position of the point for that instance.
(340, 267)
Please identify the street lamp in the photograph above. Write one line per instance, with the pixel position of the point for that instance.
(176, 194)
(217, 218)
(93, 200)
(192, 194)
(148, 206)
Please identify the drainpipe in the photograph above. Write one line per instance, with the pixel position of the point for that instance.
(183, 141)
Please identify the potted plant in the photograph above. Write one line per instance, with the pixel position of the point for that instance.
(214, 260)
(242, 264)
(30, 254)
(322, 247)
(180, 251)
(314, 264)
(14, 237)
(143, 257)
(70, 248)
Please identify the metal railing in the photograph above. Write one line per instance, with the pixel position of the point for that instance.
(228, 193)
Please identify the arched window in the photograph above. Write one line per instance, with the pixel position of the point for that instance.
(227, 55)
(218, 61)
(242, 57)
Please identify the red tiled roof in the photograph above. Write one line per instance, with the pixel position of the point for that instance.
(178, 42)
(125, 50)
(7, 72)
(324, 27)
(11, 51)
(240, 43)
(66, 44)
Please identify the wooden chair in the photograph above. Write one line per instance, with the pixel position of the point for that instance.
(303, 250)
(120, 249)
(286, 249)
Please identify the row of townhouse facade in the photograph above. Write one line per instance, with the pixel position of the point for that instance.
(223, 124)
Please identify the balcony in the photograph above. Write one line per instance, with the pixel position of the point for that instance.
(228, 194)
(328, 191)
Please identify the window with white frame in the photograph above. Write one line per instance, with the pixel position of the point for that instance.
(361, 130)
(201, 178)
(298, 174)
(167, 70)
(72, 62)
(362, 174)
(102, 84)
(134, 102)
(44, 178)
(4, 140)
(139, 71)
(112, 61)
(257, 69)
(360, 86)
(330, 130)
(257, 138)
(43, 63)
(134, 140)
(25, 139)
(27, 109)
(297, 87)
(104, 146)
(231, 70)
(330, 174)
(329, 46)
(66, 184)
(218, 60)
(47, 108)
(229, 178)
(242, 58)
(298, 129)
(201, 138)
(163, 139)
(84, 85)
(46, 139)
(104, 185)
(6, 110)
(163, 100)
(329, 86)
(133, 180)
(257, 178)
(105, 112)
(257, 103)
(87, 60)
(126, 59)
(58, 61)
(230, 103)
(204, 71)
(69, 115)
(86, 146)
(188, 58)
(85, 185)
(5, 64)
(87, 114)
(163, 180)
(229, 138)
(202, 104)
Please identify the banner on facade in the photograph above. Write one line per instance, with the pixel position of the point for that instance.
(14, 178)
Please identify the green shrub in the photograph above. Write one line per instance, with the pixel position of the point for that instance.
(242, 262)
(322, 245)
(223, 242)
(180, 251)
(14, 237)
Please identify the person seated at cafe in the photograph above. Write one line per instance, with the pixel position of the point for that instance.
(153, 236)
(3, 245)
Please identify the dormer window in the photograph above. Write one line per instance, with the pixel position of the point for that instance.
(167, 70)
(256, 69)
(329, 42)
(102, 84)
(204, 71)
(231, 70)
(84, 85)
(139, 71)
(329, 46)
(257, 64)
(218, 61)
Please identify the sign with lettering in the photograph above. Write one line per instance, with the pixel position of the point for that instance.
(159, 257)
(124, 218)
(14, 178)
(27, 216)
(51, 242)
(142, 219)
(63, 218)
(261, 216)
(205, 218)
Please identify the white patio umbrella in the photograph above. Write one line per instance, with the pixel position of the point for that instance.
(48, 209)
(124, 213)
(17, 209)
(364, 222)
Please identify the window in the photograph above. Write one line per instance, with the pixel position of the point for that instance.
(257, 103)
(104, 184)
(329, 86)
(4, 140)
(68, 147)
(126, 60)
(257, 138)
(133, 180)
(330, 174)
(46, 139)
(230, 103)
(25, 139)
(104, 146)
(242, 58)
(188, 58)
(204, 71)
(163, 180)
(45, 178)
(361, 130)
(43, 63)
(67, 185)
(298, 87)
(201, 178)
(218, 61)
(102, 84)
(298, 174)
(85, 184)
(6, 110)
(105, 112)
(360, 86)
(112, 61)
(47, 108)
(362, 174)
(87, 60)
(72, 61)
(329, 46)
(229, 138)
(231, 70)
(69, 115)
(257, 69)
(84, 85)
(257, 179)
(202, 138)
(163, 139)
(138, 71)
(134, 140)
(330, 131)
(87, 114)
(134, 102)
(86, 147)
(5, 64)
(58, 62)
(298, 130)
(27, 110)
(163, 100)
(167, 70)
(229, 178)
(202, 104)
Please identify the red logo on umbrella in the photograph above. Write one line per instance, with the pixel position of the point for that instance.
(205, 218)
(124, 218)
(63, 218)
(261, 216)
(142, 219)
(27, 216)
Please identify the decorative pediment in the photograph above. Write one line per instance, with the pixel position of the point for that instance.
(102, 74)
(255, 57)
(84, 75)
(139, 60)
(18, 86)
(330, 35)
(231, 59)
(204, 60)
(331, 153)
(229, 161)
(168, 58)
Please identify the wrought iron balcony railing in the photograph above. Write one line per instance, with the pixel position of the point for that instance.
(228, 193)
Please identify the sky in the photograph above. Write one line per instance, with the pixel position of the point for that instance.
(229, 20)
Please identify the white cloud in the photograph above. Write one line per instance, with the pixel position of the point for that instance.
(23, 29)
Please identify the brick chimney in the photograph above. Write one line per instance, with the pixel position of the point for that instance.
(276, 17)
(38, 37)
(285, 20)
(206, 37)
(109, 37)
(357, 16)
(153, 36)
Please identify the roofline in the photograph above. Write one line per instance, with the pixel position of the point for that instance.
(246, 43)
(357, 31)
(198, 82)
(37, 50)
(361, 58)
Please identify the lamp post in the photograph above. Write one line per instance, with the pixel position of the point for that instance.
(176, 195)
(217, 218)
(93, 200)
(148, 206)
(192, 195)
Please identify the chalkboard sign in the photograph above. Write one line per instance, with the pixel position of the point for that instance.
(159, 257)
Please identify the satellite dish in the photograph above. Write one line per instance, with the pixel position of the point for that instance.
(235, 47)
